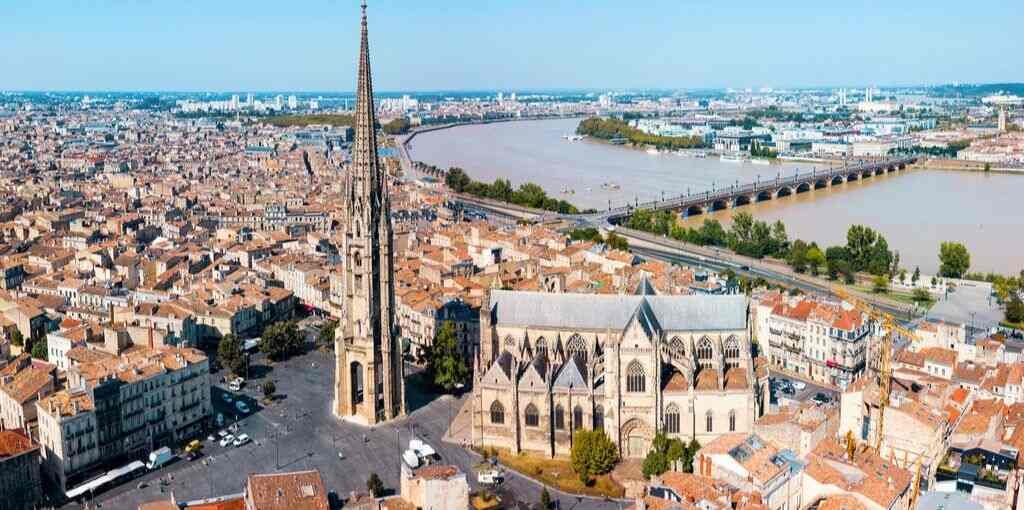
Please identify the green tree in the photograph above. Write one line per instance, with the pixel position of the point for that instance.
(281, 340)
(269, 389)
(920, 295)
(916, 276)
(880, 284)
(545, 499)
(446, 364)
(17, 339)
(798, 256)
(586, 234)
(616, 242)
(375, 485)
(39, 349)
(592, 454)
(456, 179)
(954, 259)
(397, 126)
(1014, 309)
(230, 355)
(326, 336)
(815, 259)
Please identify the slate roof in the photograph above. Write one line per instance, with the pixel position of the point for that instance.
(601, 311)
(570, 376)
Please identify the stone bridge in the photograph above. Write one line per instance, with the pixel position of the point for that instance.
(759, 191)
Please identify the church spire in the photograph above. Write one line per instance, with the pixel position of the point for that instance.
(364, 156)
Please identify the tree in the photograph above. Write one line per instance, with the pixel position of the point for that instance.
(230, 355)
(592, 454)
(326, 336)
(815, 259)
(269, 388)
(664, 453)
(798, 256)
(456, 179)
(880, 284)
(954, 259)
(281, 340)
(17, 339)
(397, 126)
(1014, 309)
(446, 365)
(916, 276)
(920, 295)
(586, 234)
(375, 485)
(39, 349)
(545, 499)
(616, 242)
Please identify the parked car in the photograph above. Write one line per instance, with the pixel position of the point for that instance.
(242, 408)
(158, 458)
(241, 440)
(821, 398)
(227, 440)
(799, 385)
(226, 397)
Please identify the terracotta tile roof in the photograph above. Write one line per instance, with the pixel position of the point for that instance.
(300, 490)
(436, 472)
(867, 474)
(841, 502)
(228, 504)
(939, 355)
(14, 442)
(692, 487)
(28, 383)
(707, 380)
(676, 382)
(736, 379)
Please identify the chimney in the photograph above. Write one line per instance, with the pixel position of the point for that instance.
(111, 313)
(150, 334)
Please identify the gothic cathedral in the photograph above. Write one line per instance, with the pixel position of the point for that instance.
(369, 386)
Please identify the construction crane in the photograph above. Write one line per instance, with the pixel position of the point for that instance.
(885, 353)
(917, 485)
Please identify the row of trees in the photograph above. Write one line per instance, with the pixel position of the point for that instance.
(397, 126)
(865, 251)
(614, 241)
(611, 129)
(528, 194)
(280, 341)
(666, 452)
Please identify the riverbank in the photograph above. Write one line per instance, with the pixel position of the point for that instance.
(960, 165)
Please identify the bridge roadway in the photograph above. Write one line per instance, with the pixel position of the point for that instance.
(759, 191)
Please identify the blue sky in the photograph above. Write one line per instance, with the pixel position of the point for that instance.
(227, 45)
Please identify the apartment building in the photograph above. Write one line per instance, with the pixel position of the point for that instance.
(20, 486)
(121, 407)
(826, 342)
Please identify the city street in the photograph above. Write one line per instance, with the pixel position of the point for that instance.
(298, 432)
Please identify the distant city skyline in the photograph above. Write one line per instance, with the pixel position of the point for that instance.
(525, 45)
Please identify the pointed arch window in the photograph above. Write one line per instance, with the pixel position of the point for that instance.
(599, 417)
(577, 348)
(559, 417)
(636, 378)
(497, 413)
(672, 419)
(541, 348)
(532, 418)
(732, 421)
(732, 352)
(709, 422)
(705, 352)
(677, 346)
(577, 418)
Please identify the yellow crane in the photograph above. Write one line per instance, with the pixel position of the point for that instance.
(917, 485)
(885, 353)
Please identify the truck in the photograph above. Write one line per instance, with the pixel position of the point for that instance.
(157, 458)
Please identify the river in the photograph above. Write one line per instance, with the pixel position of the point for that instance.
(915, 210)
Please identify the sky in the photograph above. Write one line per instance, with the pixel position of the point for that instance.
(426, 45)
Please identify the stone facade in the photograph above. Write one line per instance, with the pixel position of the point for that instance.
(369, 385)
(630, 365)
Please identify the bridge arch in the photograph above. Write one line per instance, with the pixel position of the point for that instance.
(693, 210)
(852, 177)
(822, 183)
(718, 205)
(880, 170)
(839, 179)
(764, 196)
(741, 200)
(783, 192)
(803, 187)
(866, 173)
